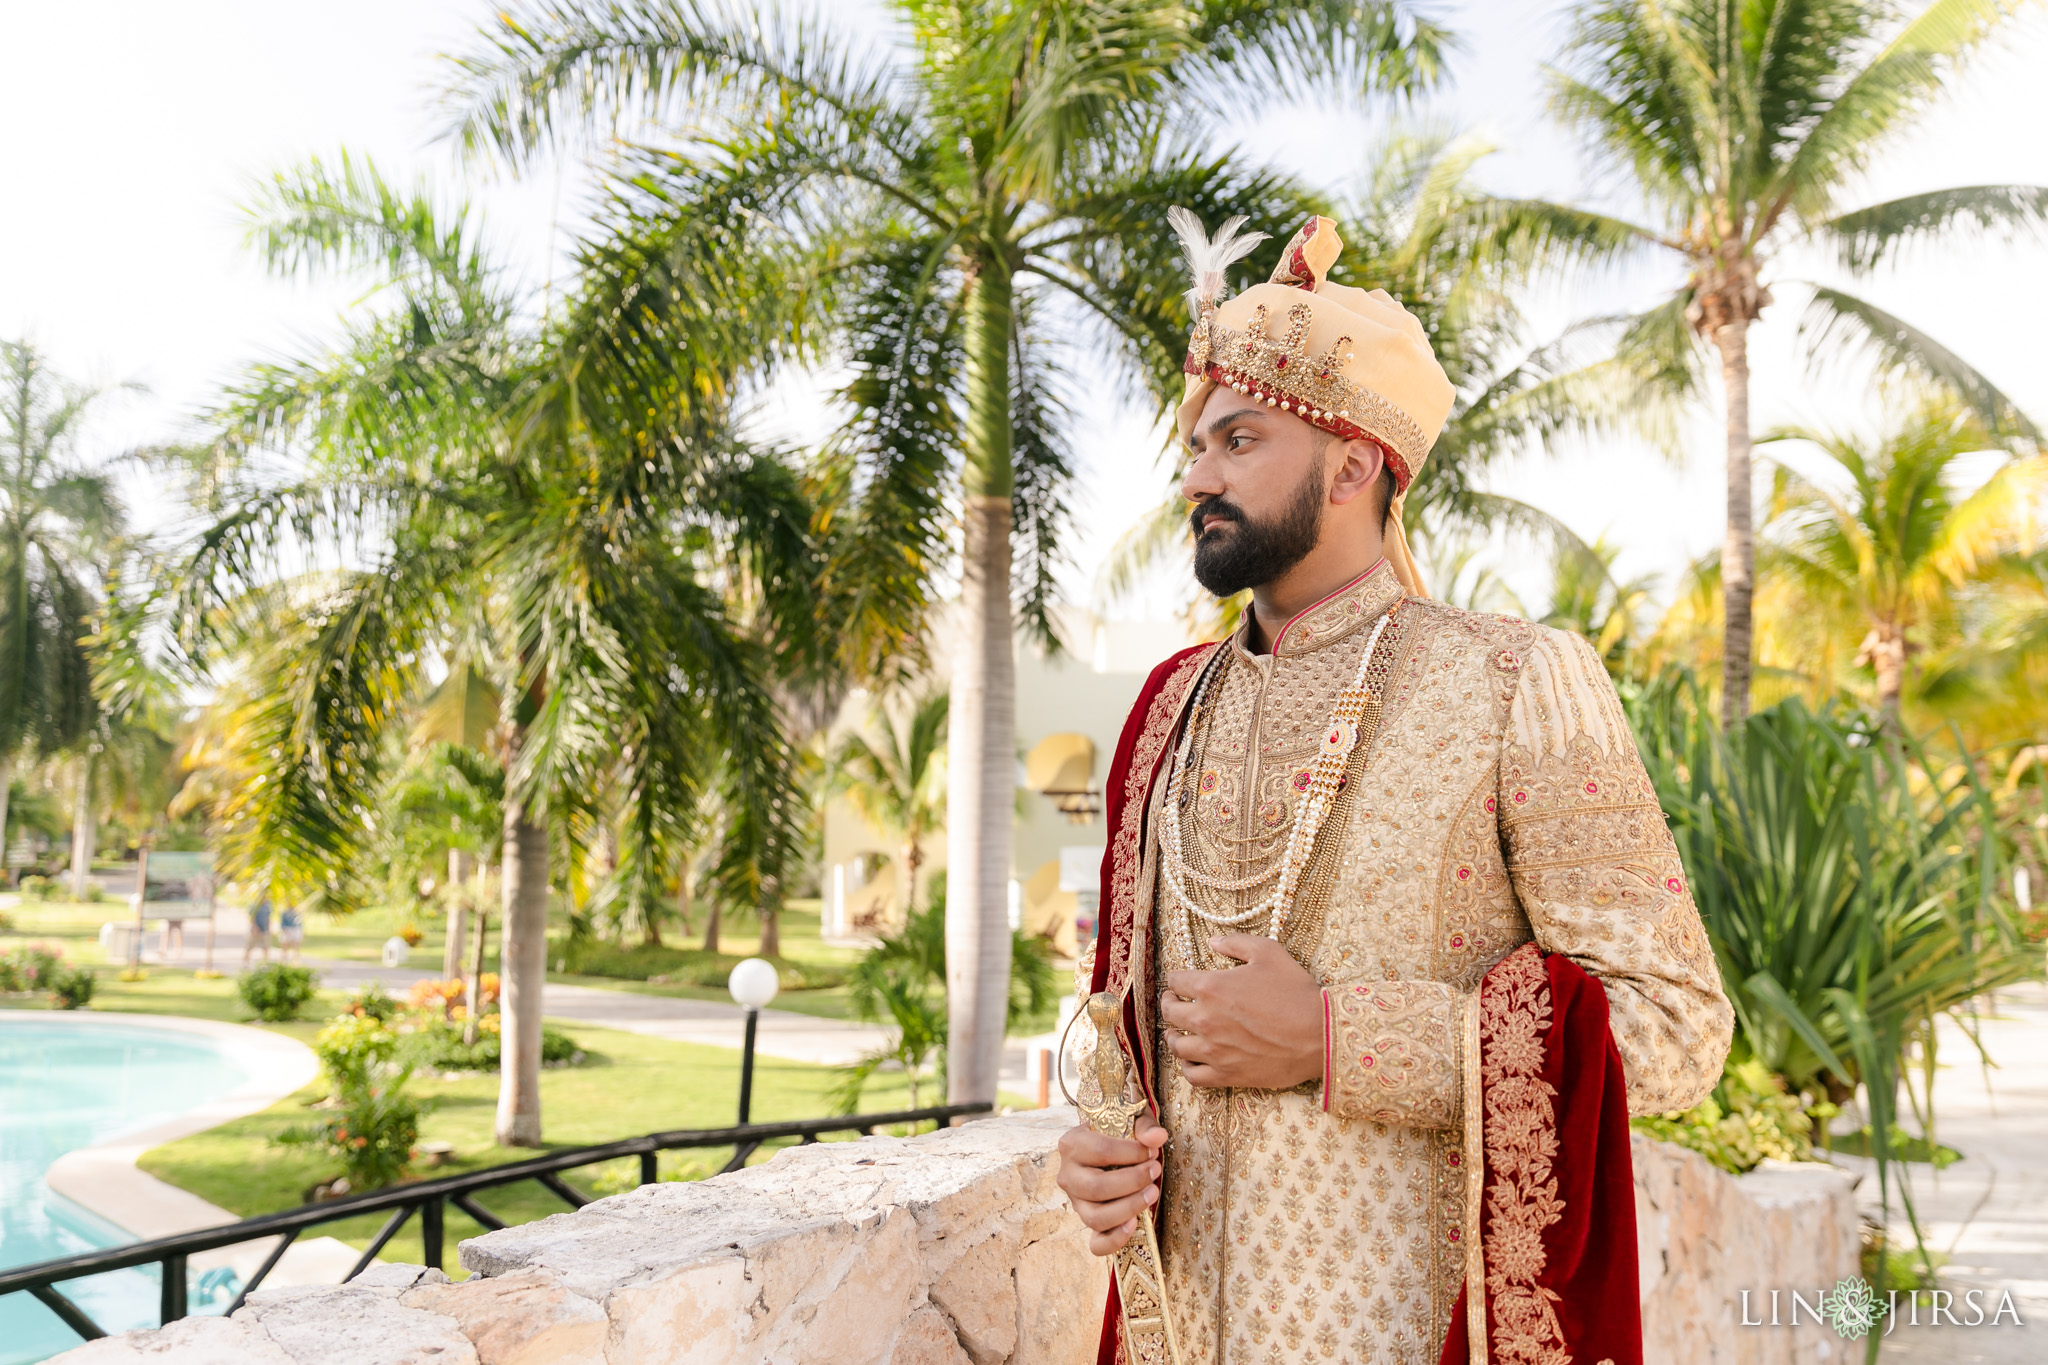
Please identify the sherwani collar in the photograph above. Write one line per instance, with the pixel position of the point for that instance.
(1349, 609)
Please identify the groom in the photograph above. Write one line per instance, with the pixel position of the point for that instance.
(1398, 933)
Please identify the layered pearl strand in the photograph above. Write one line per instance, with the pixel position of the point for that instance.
(1340, 737)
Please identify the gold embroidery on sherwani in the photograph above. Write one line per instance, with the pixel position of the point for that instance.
(1521, 1144)
(1349, 1235)
(1152, 740)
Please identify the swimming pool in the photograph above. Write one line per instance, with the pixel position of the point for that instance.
(68, 1082)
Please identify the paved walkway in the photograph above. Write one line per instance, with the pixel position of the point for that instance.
(781, 1033)
(1988, 1213)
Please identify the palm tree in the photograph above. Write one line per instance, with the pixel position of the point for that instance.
(895, 781)
(569, 512)
(1021, 156)
(1745, 130)
(1889, 556)
(56, 519)
(1587, 599)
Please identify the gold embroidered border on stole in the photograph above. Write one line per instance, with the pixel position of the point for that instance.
(1475, 1188)
(1157, 733)
(1521, 1139)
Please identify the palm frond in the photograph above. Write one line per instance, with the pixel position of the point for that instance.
(1899, 349)
(1867, 236)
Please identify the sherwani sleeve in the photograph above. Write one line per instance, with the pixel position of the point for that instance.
(1595, 869)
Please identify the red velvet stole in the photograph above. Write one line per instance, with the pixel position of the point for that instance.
(1558, 1220)
(1556, 1223)
(1146, 742)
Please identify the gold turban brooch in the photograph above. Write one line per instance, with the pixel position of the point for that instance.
(1351, 362)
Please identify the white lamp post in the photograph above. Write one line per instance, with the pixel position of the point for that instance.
(753, 983)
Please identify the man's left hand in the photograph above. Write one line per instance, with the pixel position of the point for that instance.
(1259, 1026)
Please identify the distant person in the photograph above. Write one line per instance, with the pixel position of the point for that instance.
(291, 934)
(259, 930)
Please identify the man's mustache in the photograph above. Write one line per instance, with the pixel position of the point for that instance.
(1222, 509)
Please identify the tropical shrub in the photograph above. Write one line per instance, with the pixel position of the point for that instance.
(587, 955)
(902, 981)
(372, 1135)
(31, 967)
(376, 1124)
(72, 987)
(373, 1002)
(440, 1046)
(354, 1050)
(1750, 1116)
(277, 992)
(34, 888)
(1852, 882)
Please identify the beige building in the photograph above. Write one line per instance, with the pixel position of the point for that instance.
(1069, 713)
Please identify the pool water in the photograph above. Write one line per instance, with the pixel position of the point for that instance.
(67, 1083)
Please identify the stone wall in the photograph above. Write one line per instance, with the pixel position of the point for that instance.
(1702, 1237)
(952, 1249)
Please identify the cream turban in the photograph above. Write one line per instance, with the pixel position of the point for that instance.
(1352, 362)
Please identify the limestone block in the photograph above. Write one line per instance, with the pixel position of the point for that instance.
(978, 1292)
(1704, 1236)
(188, 1341)
(1061, 1291)
(927, 1339)
(357, 1324)
(520, 1319)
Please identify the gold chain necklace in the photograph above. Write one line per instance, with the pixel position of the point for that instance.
(1340, 736)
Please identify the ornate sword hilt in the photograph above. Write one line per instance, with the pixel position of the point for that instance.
(1108, 1107)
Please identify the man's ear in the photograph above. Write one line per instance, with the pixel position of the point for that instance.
(1360, 463)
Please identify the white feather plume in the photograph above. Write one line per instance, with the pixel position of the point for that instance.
(1209, 257)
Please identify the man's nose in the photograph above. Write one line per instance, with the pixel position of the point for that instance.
(1200, 481)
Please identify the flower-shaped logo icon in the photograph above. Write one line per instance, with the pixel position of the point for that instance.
(1852, 1308)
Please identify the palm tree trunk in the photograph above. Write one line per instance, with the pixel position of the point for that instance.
(771, 929)
(683, 898)
(6, 790)
(1888, 661)
(522, 968)
(458, 916)
(1738, 550)
(711, 928)
(981, 776)
(910, 859)
(83, 830)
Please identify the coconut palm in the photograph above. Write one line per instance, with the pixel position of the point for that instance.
(1746, 130)
(1587, 599)
(1889, 556)
(57, 518)
(1018, 158)
(895, 779)
(453, 480)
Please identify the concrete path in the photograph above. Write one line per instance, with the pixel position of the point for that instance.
(784, 1034)
(1988, 1213)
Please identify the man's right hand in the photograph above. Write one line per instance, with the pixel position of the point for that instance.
(1109, 1181)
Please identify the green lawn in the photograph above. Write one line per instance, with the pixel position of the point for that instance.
(630, 1085)
(181, 991)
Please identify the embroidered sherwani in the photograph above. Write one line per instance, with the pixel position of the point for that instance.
(1498, 798)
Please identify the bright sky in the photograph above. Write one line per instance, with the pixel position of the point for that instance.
(138, 127)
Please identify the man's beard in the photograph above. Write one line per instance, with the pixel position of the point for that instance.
(1228, 562)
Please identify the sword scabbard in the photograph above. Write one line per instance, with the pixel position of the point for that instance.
(1148, 1331)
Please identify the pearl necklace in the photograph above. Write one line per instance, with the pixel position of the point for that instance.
(1340, 736)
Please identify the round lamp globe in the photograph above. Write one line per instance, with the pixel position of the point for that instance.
(753, 983)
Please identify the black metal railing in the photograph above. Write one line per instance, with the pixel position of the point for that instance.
(429, 1199)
